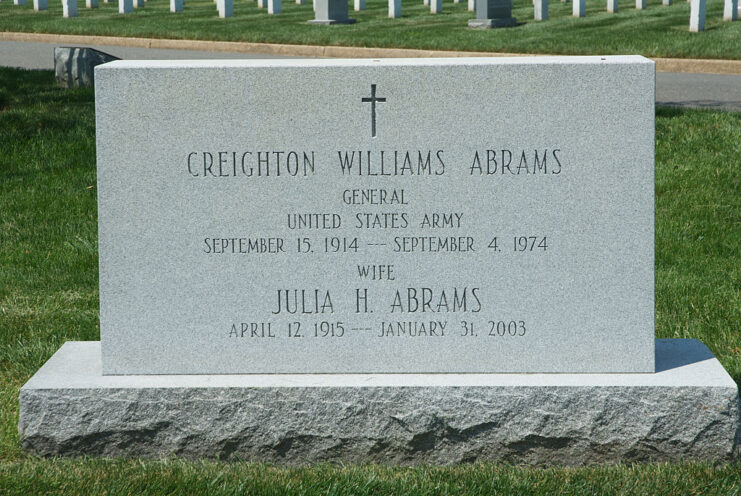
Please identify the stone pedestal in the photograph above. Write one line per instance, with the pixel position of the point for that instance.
(493, 14)
(687, 410)
(331, 12)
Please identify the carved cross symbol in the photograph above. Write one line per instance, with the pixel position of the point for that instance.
(372, 100)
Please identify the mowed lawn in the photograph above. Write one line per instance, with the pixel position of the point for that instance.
(49, 294)
(660, 31)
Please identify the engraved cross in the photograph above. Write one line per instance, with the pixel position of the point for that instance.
(372, 100)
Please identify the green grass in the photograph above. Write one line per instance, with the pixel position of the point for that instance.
(86, 477)
(660, 31)
(49, 294)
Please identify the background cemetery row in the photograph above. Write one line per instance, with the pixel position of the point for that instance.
(336, 9)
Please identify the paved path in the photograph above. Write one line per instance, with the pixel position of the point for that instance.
(718, 91)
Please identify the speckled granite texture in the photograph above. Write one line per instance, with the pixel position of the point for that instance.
(688, 410)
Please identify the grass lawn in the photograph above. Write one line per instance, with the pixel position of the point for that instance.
(660, 31)
(49, 294)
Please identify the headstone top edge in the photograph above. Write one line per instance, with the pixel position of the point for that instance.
(388, 62)
(76, 365)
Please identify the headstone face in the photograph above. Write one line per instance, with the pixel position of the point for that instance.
(495, 228)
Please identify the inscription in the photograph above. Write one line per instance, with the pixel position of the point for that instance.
(359, 224)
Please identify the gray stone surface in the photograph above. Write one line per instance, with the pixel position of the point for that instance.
(687, 410)
(74, 66)
(577, 297)
(493, 14)
(697, 16)
(331, 12)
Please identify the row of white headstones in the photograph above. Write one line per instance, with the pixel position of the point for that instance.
(731, 9)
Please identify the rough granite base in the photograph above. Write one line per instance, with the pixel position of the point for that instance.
(687, 410)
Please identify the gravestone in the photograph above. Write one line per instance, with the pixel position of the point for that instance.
(125, 6)
(274, 6)
(493, 14)
(331, 12)
(730, 10)
(612, 6)
(697, 16)
(176, 5)
(69, 8)
(394, 8)
(579, 8)
(39, 5)
(225, 8)
(428, 276)
(541, 10)
(74, 67)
